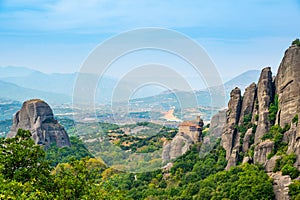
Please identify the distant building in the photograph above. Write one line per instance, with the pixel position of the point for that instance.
(192, 128)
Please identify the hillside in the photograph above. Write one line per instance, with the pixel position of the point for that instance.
(202, 97)
(15, 92)
(11, 71)
(64, 84)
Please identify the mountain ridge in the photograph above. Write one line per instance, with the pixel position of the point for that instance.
(63, 83)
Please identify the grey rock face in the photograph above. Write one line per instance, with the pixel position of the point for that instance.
(292, 137)
(288, 90)
(262, 150)
(230, 136)
(217, 123)
(189, 133)
(37, 117)
(248, 102)
(246, 159)
(270, 164)
(287, 85)
(178, 146)
(257, 100)
(281, 185)
(265, 97)
(246, 140)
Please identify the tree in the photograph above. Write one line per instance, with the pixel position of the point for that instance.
(23, 161)
(296, 42)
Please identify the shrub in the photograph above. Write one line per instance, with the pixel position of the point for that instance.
(289, 169)
(296, 42)
(295, 119)
(247, 118)
(256, 117)
(273, 110)
(294, 190)
(267, 136)
(241, 129)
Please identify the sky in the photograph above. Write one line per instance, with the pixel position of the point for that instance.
(56, 36)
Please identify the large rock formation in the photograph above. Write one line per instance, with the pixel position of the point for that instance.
(178, 146)
(287, 88)
(189, 133)
(217, 123)
(265, 97)
(37, 117)
(287, 85)
(248, 102)
(247, 140)
(262, 150)
(251, 116)
(254, 108)
(230, 137)
(281, 186)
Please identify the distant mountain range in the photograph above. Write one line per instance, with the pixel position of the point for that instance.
(243, 80)
(11, 71)
(20, 83)
(182, 99)
(15, 92)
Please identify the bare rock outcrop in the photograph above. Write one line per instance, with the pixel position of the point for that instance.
(265, 97)
(37, 117)
(287, 85)
(251, 116)
(262, 150)
(248, 102)
(247, 140)
(292, 137)
(217, 123)
(281, 185)
(230, 136)
(270, 164)
(288, 91)
(189, 133)
(178, 146)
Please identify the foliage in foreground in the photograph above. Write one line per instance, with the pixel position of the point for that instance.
(294, 190)
(26, 174)
(191, 177)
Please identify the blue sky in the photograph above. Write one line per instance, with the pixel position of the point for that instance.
(57, 35)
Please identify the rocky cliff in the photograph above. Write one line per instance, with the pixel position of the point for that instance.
(37, 117)
(262, 125)
(231, 137)
(217, 123)
(189, 133)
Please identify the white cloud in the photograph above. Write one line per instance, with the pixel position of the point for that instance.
(100, 16)
(103, 14)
